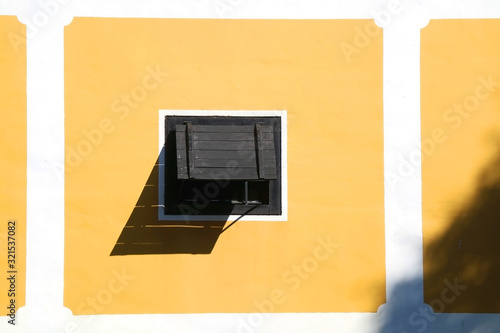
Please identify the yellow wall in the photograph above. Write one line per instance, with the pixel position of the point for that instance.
(335, 163)
(13, 152)
(460, 176)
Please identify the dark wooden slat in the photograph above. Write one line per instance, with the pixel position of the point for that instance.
(227, 145)
(180, 140)
(189, 138)
(180, 136)
(206, 150)
(242, 173)
(221, 163)
(182, 163)
(230, 128)
(180, 129)
(182, 173)
(228, 155)
(182, 158)
(225, 128)
(228, 136)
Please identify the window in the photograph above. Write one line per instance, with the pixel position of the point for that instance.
(222, 165)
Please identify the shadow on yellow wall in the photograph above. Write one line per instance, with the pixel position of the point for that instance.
(144, 233)
(460, 183)
(461, 270)
(461, 179)
(466, 254)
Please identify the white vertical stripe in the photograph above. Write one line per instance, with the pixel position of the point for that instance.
(45, 192)
(403, 197)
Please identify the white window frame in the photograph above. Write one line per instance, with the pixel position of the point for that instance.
(229, 113)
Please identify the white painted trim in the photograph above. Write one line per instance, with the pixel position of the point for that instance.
(45, 211)
(228, 113)
(403, 202)
(232, 322)
(45, 137)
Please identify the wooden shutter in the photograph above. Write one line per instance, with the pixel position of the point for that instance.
(243, 152)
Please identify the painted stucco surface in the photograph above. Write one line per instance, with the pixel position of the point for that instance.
(120, 72)
(13, 161)
(460, 177)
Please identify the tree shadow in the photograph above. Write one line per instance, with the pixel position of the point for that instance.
(469, 251)
(461, 270)
(144, 233)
